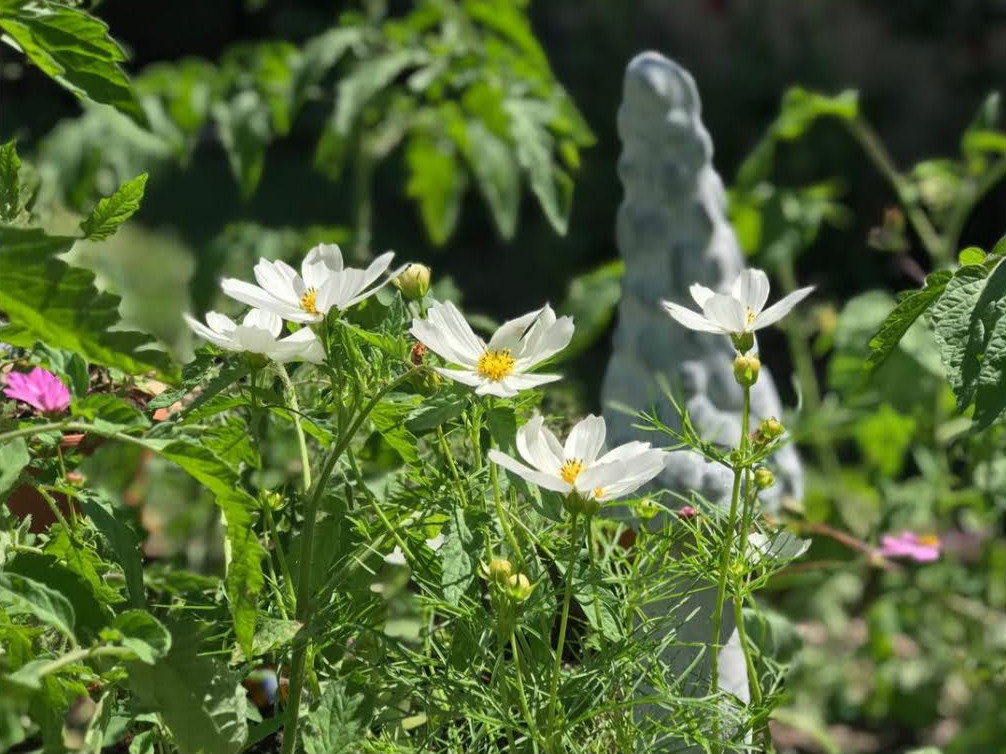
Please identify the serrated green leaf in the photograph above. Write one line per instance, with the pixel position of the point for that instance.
(245, 130)
(123, 543)
(339, 721)
(456, 560)
(437, 182)
(46, 299)
(142, 634)
(494, 165)
(13, 458)
(270, 635)
(74, 48)
(10, 187)
(112, 211)
(990, 387)
(534, 145)
(20, 595)
(965, 318)
(897, 323)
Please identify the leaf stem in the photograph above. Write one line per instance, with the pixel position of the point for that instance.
(563, 623)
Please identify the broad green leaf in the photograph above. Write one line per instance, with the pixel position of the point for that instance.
(74, 48)
(244, 127)
(389, 417)
(270, 634)
(591, 299)
(90, 614)
(458, 556)
(84, 561)
(494, 165)
(437, 182)
(965, 318)
(112, 211)
(13, 458)
(368, 78)
(338, 722)
(141, 633)
(20, 595)
(435, 411)
(10, 187)
(971, 255)
(908, 309)
(534, 145)
(990, 388)
(109, 413)
(46, 299)
(200, 701)
(232, 443)
(122, 542)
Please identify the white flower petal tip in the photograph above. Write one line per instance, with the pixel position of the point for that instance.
(577, 465)
(258, 333)
(740, 311)
(503, 366)
(395, 557)
(323, 284)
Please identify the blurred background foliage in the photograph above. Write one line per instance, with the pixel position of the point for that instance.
(455, 133)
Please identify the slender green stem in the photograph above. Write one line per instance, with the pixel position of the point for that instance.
(376, 506)
(754, 683)
(501, 514)
(727, 546)
(284, 566)
(54, 507)
(563, 623)
(79, 655)
(524, 707)
(449, 457)
(590, 561)
(291, 396)
(38, 429)
(305, 605)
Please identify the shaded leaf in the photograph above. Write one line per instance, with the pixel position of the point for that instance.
(21, 595)
(13, 458)
(123, 543)
(10, 188)
(437, 182)
(338, 721)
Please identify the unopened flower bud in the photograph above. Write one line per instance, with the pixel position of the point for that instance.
(578, 503)
(519, 587)
(498, 570)
(686, 512)
(746, 370)
(743, 341)
(414, 281)
(647, 509)
(763, 478)
(770, 429)
(272, 500)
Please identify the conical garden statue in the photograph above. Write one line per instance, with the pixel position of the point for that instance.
(672, 231)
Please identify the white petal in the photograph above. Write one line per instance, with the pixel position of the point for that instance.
(537, 445)
(303, 344)
(368, 280)
(463, 339)
(625, 452)
(499, 388)
(586, 439)
(518, 382)
(751, 289)
(544, 341)
(701, 294)
(220, 322)
(688, 318)
(464, 376)
(320, 263)
(439, 340)
(255, 339)
(279, 279)
(395, 557)
(727, 312)
(644, 472)
(781, 308)
(252, 295)
(219, 339)
(508, 335)
(264, 320)
(600, 475)
(540, 478)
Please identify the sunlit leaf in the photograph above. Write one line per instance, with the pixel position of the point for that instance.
(114, 210)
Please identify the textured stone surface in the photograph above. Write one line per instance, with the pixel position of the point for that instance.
(672, 231)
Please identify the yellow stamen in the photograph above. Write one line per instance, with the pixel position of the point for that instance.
(598, 492)
(496, 364)
(751, 317)
(307, 301)
(570, 470)
(929, 540)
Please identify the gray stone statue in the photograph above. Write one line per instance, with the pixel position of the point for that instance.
(672, 231)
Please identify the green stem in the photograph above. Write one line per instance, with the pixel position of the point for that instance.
(37, 429)
(71, 531)
(376, 506)
(449, 457)
(501, 514)
(284, 567)
(291, 396)
(590, 561)
(305, 605)
(524, 707)
(78, 655)
(563, 623)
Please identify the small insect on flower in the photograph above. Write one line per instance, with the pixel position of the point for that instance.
(323, 284)
(259, 333)
(501, 366)
(40, 389)
(907, 544)
(738, 313)
(576, 469)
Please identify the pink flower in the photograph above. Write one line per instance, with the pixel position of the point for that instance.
(40, 389)
(686, 512)
(907, 544)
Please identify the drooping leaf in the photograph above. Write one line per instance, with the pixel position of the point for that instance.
(270, 634)
(122, 542)
(319, 54)
(338, 722)
(201, 702)
(20, 595)
(13, 458)
(74, 48)
(909, 308)
(458, 556)
(437, 182)
(112, 211)
(46, 299)
(367, 79)
(494, 165)
(245, 130)
(990, 387)
(534, 144)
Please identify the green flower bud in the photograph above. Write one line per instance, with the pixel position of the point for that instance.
(746, 370)
(647, 509)
(414, 281)
(763, 478)
(771, 429)
(577, 503)
(273, 500)
(518, 587)
(498, 571)
(743, 341)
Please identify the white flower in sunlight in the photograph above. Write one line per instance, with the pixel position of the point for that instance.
(323, 283)
(259, 333)
(575, 466)
(500, 367)
(739, 312)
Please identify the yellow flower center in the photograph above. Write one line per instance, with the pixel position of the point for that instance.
(496, 364)
(598, 492)
(570, 470)
(307, 301)
(751, 317)
(929, 540)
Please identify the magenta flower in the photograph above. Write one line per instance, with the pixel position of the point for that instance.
(907, 544)
(40, 389)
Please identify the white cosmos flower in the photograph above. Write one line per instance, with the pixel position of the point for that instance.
(323, 283)
(500, 367)
(259, 333)
(576, 466)
(738, 312)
